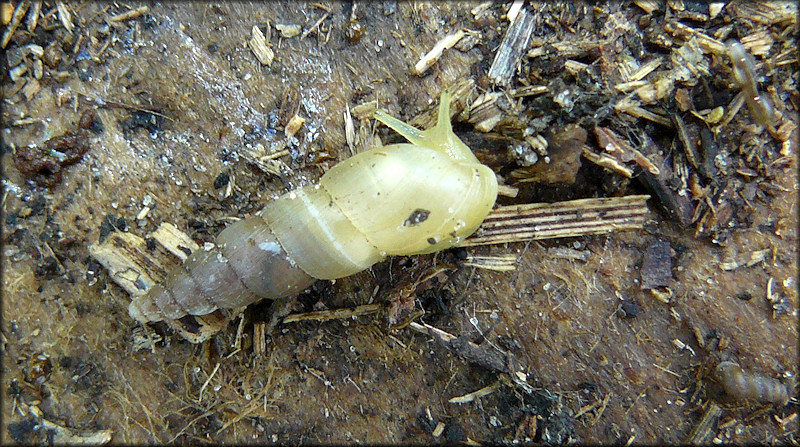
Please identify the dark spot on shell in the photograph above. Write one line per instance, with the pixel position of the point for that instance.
(432, 241)
(417, 217)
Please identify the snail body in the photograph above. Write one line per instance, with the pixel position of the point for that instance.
(403, 199)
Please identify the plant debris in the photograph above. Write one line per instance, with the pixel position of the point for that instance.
(44, 163)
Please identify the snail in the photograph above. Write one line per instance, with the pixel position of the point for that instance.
(749, 386)
(402, 199)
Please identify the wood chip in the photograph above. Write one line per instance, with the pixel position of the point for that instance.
(33, 15)
(258, 44)
(514, 46)
(645, 69)
(485, 112)
(765, 12)
(294, 125)
(503, 190)
(288, 31)
(626, 105)
(259, 338)
(438, 430)
(758, 43)
(746, 260)
(620, 149)
(365, 110)
(575, 68)
(16, 19)
(174, 240)
(32, 87)
(128, 262)
(64, 16)
(608, 162)
(514, 10)
(349, 130)
(502, 263)
(531, 90)
(707, 43)
(675, 201)
(689, 144)
(647, 6)
(6, 13)
(656, 268)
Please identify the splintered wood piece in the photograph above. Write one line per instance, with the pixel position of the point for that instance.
(503, 263)
(514, 46)
(707, 43)
(517, 223)
(618, 147)
(258, 44)
(174, 240)
(704, 431)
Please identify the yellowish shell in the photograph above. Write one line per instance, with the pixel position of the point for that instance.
(402, 199)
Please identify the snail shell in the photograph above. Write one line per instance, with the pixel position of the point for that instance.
(748, 386)
(402, 199)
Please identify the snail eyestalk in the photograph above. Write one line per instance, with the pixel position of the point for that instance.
(439, 138)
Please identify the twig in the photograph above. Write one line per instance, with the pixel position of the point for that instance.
(205, 384)
(332, 314)
(314, 26)
(469, 397)
(131, 14)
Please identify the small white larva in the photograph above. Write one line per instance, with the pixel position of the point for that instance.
(751, 387)
(402, 199)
